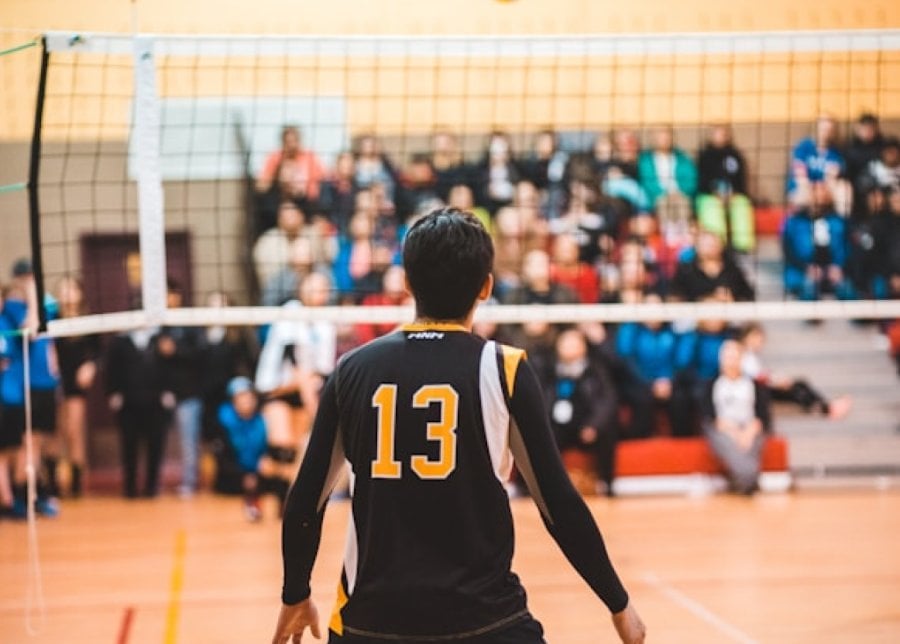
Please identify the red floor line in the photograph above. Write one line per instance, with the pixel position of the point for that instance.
(125, 627)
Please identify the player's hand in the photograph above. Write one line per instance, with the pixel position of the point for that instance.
(293, 620)
(629, 626)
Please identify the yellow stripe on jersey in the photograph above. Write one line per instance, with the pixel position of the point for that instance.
(511, 359)
(432, 326)
(336, 625)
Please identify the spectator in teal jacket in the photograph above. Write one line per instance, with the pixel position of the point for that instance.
(666, 169)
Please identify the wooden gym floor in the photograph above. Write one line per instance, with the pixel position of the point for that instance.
(812, 567)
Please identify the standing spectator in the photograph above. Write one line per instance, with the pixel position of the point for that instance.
(244, 432)
(143, 402)
(864, 148)
(290, 174)
(546, 169)
(710, 271)
(229, 351)
(448, 165)
(669, 178)
(735, 420)
(339, 192)
(374, 167)
(583, 405)
(567, 270)
(815, 247)
(10, 437)
(20, 312)
(648, 349)
(294, 361)
(497, 175)
(815, 160)
(784, 388)
(78, 356)
(723, 206)
(182, 349)
(271, 252)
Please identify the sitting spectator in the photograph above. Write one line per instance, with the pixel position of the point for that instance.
(537, 286)
(648, 349)
(710, 271)
(593, 223)
(245, 441)
(583, 406)
(461, 197)
(447, 164)
(339, 192)
(868, 262)
(626, 152)
(271, 252)
(660, 260)
(496, 175)
(864, 148)
(546, 169)
(419, 184)
(735, 420)
(669, 178)
(283, 285)
(892, 244)
(782, 388)
(817, 160)
(374, 167)
(356, 255)
(567, 270)
(512, 239)
(884, 171)
(393, 293)
(290, 174)
(814, 242)
(294, 361)
(723, 206)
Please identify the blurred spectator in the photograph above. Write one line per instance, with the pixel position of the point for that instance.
(710, 271)
(294, 361)
(496, 175)
(648, 348)
(374, 167)
(460, 196)
(393, 293)
(182, 351)
(583, 406)
(546, 169)
(229, 351)
(722, 205)
(669, 178)
(78, 356)
(361, 260)
(659, 259)
(884, 171)
(594, 224)
(626, 152)
(271, 252)
(447, 163)
(816, 160)
(511, 241)
(419, 183)
(735, 419)
(143, 400)
(291, 173)
(283, 285)
(243, 459)
(537, 286)
(567, 270)
(815, 247)
(868, 263)
(339, 192)
(863, 149)
(892, 243)
(783, 388)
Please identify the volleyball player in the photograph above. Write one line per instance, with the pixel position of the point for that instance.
(430, 418)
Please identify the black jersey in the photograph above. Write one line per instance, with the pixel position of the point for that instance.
(431, 419)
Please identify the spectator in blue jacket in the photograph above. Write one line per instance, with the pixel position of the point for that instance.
(648, 348)
(816, 250)
(244, 430)
(818, 159)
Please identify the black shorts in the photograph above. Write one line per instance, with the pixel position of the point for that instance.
(10, 435)
(524, 631)
(43, 415)
(292, 398)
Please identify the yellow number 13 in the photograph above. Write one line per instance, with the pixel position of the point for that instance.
(385, 466)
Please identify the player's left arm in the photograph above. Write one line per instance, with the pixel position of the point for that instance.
(305, 505)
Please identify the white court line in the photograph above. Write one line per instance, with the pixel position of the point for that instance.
(698, 609)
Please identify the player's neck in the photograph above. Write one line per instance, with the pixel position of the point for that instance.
(464, 325)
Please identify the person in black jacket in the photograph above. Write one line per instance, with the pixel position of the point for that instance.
(722, 168)
(138, 393)
(863, 148)
(711, 271)
(583, 404)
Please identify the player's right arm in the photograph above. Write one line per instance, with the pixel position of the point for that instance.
(564, 512)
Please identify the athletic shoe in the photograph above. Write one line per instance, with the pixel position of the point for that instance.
(19, 509)
(47, 507)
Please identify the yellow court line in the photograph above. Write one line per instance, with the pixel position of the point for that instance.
(175, 586)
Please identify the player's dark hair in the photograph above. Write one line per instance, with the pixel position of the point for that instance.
(448, 256)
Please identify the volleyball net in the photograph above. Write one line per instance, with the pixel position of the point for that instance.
(148, 152)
